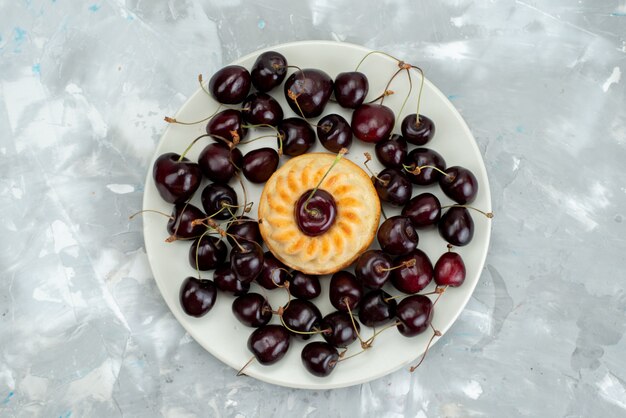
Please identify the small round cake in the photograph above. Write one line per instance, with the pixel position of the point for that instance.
(318, 231)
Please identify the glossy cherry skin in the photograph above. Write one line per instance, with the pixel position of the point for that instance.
(339, 331)
(208, 251)
(415, 314)
(219, 163)
(419, 134)
(273, 274)
(301, 316)
(297, 136)
(244, 228)
(450, 270)
(376, 308)
(456, 226)
(372, 269)
(268, 71)
(414, 278)
(304, 286)
(397, 236)
(393, 187)
(423, 210)
(261, 108)
(351, 89)
(230, 85)
(372, 122)
(312, 87)
(181, 225)
(246, 263)
(226, 281)
(259, 164)
(392, 152)
(269, 343)
(215, 197)
(345, 291)
(319, 358)
(197, 297)
(252, 310)
(420, 157)
(319, 214)
(222, 125)
(334, 132)
(459, 184)
(176, 181)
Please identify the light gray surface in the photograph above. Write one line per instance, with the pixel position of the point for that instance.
(84, 87)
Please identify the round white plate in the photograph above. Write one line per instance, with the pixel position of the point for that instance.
(218, 331)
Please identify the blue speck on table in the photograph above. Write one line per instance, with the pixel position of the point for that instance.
(261, 24)
(36, 69)
(20, 34)
(94, 7)
(519, 129)
(453, 97)
(8, 398)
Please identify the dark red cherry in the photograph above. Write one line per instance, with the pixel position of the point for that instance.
(318, 215)
(252, 310)
(420, 157)
(259, 164)
(273, 274)
(222, 125)
(226, 281)
(301, 316)
(268, 71)
(311, 88)
(377, 308)
(339, 330)
(269, 343)
(334, 132)
(456, 226)
(181, 225)
(372, 122)
(297, 136)
(414, 278)
(392, 152)
(304, 286)
(345, 291)
(351, 89)
(197, 297)
(319, 358)
(219, 162)
(261, 108)
(415, 314)
(450, 270)
(246, 261)
(372, 269)
(423, 210)
(393, 187)
(176, 181)
(417, 133)
(459, 184)
(230, 85)
(219, 201)
(244, 228)
(397, 236)
(209, 252)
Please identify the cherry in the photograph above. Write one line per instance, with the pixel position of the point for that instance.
(413, 276)
(268, 71)
(304, 286)
(230, 85)
(226, 281)
(415, 314)
(334, 132)
(397, 236)
(427, 158)
(450, 270)
(273, 274)
(377, 308)
(393, 186)
(307, 92)
(459, 184)
(315, 214)
(339, 330)
(223, 124)
(269, 343)
(351, 89)
(261, 109)
(423, 210)
(456, 226)
(197, 297)
(219, 163)
(417, 133)
(246, 260)
(372, 122)
(219, 201)
(298, 137)
(373, 268)
(319, 358)
(301, 316)
(345, 291)
(259, 164)
(181, 223)
(244, 228)
(392, 152)
(176, 179)
(252, 310)
(208, 251)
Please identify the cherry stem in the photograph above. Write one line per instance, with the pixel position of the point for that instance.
(412, 169)
(356, 330)
(174, 120)
(340, 154)
(240, 372)
(382, 99)
(436, 333)
(382, 210)
(245, 194)
(419, 95)
(449, 247)
(299, 332)
(487, 214)
(376, 52)
(353, 355)
(173, 236)
(202, 86)
(286, 271)
(408, 263)
(131, 217)
(439, 293)
(293, 96)
(198, 250)
(189, 147)
(385, 93)
(405, 99)
(371, 339)
(368, 158)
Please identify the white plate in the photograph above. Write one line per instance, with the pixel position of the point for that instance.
(219, 332)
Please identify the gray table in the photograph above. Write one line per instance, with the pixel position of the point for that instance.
(84, 86)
